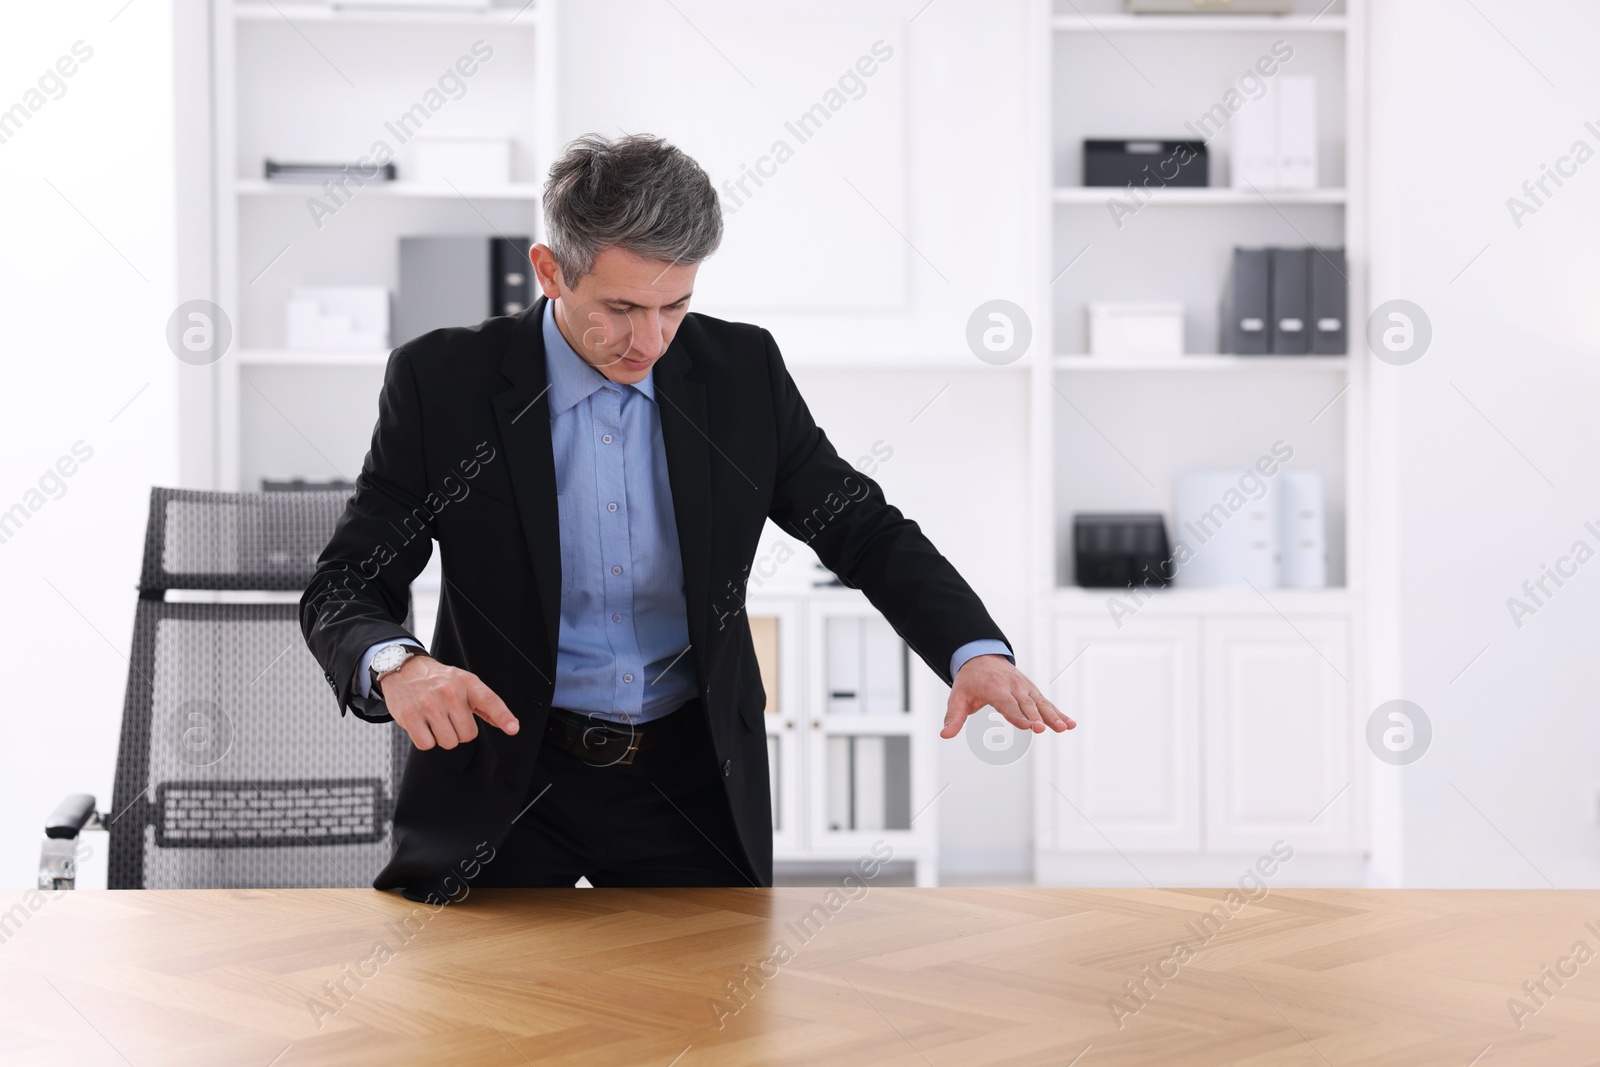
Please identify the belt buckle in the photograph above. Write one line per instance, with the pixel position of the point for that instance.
(609, 735)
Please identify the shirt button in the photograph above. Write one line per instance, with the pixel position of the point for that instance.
(606, 439)
(727, 767)
(627, 677)
(616, 570)
(616, 618)
(611, 506)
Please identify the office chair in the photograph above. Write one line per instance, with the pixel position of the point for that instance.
(233, 769)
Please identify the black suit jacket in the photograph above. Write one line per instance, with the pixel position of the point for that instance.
(461, 455)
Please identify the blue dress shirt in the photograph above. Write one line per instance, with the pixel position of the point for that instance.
(623, 649)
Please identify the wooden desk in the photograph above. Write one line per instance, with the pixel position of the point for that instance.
(283, 978)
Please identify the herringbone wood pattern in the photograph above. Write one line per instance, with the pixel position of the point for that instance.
(894, 976)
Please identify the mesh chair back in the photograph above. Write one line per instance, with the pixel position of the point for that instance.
(234, 770)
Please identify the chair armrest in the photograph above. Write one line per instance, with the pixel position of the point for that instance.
(72, 815)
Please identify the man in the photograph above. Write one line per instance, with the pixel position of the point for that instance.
(597, 471)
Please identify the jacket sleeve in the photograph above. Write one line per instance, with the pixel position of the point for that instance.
(359, 593)
(841, 513)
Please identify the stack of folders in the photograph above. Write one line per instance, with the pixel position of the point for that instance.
(1275, 137)
(869, 782)
(1285, 302)
(1275, 539)
(868, 667)
(1302, 548)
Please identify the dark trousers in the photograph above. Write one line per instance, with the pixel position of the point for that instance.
(661, 820)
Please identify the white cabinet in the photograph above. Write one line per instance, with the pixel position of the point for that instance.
(1278, 736)
(1202, 738)
(1128, 776)
(851, 720)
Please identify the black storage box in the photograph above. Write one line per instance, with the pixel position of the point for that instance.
(1148, 163)
(1116, 551)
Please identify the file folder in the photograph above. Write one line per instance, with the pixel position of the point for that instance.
(1246, 304)
(884, 666)
(869, 780)
(840, 783)
(1228, 546)
(843, 665)
(1329, 298)
(1295, 96)
(1291, 296)
(1303, 557)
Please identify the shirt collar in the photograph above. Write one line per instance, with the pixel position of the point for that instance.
(571, 378)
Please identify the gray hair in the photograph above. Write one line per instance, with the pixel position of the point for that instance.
(636, 192)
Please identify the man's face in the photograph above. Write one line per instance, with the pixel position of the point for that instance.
(622, 315)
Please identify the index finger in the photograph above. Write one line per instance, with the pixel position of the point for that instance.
(490, 708)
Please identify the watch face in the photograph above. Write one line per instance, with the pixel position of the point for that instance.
(389, 658)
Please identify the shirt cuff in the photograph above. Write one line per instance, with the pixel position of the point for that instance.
(364, 674)
(986, 647)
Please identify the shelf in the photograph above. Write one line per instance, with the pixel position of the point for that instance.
(293, 357)
(1199, 23)
(520, 18)
(395, 189)
(879, 725)
(1200, 363)
(1220, 196)
(1221, 600)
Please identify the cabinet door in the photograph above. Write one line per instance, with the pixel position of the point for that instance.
(776, 628)
(1277, 744)
(1127, 779)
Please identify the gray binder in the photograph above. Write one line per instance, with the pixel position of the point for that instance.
(458, 281)
(1246, 305)
(1291, 301)
(1329, 298)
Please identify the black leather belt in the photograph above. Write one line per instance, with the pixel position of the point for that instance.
(599, 741)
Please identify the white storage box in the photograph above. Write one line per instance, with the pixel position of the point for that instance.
(1135, 329)
(339, 317)
(461, 159)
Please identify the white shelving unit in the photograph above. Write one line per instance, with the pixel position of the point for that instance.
(800, 727)
(1212, 721)
(309, 82)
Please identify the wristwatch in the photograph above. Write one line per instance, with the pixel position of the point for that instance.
(389, 659)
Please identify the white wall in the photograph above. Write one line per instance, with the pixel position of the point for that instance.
(86, 288)
(1497, 425)
(932, 143)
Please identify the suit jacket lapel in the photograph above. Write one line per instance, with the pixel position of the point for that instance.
(523, 414)
(684, 429)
